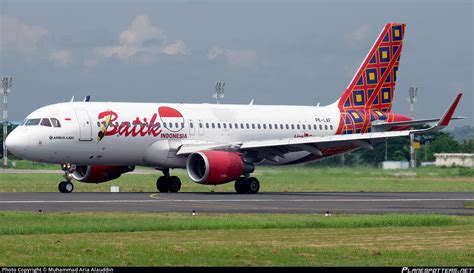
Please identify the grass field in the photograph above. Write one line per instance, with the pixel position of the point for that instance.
(31, 165)
(177, 239)
(295, 179)
(121, 239)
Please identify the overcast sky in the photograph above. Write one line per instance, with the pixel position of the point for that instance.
(285, 52)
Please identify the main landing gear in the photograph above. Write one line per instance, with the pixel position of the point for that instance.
(247, 185)
(167, 183)
(66, 186)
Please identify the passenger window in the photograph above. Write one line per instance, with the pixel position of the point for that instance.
(292, 126)
(200, 125)
(281, 126)
(315, 127)
(224, 125)
(176, 124)
(287, 127)
(325, 127)
(264, 126)
(320, 127)
(247, 125)
(241, 126)
(45, 122)
(230, 125)
(190, 124)
(236, 126)
(269, 126)
(304, 127)
(213, 125)
(182, 124)
(207, 125)
(253, 125)
(258, 126)
(218, 125)
(330, 126)
(171, 125)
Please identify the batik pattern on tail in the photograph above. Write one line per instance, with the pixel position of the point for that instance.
(373, 85)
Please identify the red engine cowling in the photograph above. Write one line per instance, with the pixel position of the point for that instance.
(216, 167)
(99, 174)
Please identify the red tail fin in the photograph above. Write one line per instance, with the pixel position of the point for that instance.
(374, 83)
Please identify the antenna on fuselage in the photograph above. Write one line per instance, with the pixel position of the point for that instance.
(72, 99)
(87, 98)
(219, 91)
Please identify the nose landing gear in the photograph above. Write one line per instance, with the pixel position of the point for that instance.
(167, 183)
(66, 186)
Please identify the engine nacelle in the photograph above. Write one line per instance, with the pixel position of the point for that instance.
(216, 167)
(99, 174)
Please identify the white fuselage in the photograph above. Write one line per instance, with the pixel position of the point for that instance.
(132, 128)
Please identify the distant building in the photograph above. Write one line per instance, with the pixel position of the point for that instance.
(464, 160)
(393, 165)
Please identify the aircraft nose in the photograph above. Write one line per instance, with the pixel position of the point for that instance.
(17, 142)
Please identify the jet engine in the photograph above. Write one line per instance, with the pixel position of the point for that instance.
(99, 174)
(216, 167)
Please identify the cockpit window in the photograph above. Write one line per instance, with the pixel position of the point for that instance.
(55, 122)
(45, 122)
(32, 122)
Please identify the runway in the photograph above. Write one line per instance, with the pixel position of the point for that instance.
(311, 202)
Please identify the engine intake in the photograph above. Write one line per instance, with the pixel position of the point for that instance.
(99, 174)
(216, 167)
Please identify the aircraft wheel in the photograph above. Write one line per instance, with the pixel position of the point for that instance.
(174, 184)
(239, 185)
(65, 187)
(252, 185)
(161, 184)
(61, 186)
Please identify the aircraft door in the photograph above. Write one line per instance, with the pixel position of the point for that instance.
(201, 127)
(85, 127)
(191, 127)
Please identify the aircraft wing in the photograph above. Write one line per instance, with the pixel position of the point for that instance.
(313, 144)
(309, 144)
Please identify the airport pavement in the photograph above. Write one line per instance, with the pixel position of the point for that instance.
(311, 202)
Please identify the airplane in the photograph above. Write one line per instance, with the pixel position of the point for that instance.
(95, 142)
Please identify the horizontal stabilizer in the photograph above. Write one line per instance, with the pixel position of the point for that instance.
(387, 125)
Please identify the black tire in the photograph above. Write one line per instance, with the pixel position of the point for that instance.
(174, 184)
(61, 187)
(240, 185)
(252, 185)
(161, 184)
(68, 187)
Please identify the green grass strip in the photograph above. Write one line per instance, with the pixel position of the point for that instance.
(14, 223)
